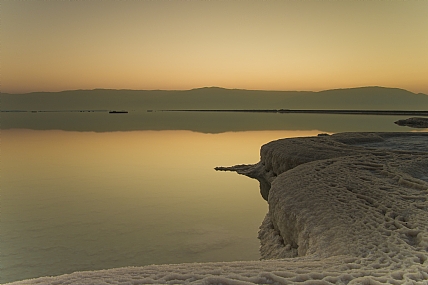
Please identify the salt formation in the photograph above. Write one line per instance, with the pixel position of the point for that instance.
(414, 122)
(350, 208)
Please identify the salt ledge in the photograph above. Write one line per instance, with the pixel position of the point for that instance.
(349, 208)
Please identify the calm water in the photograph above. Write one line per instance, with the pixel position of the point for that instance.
(73, 200)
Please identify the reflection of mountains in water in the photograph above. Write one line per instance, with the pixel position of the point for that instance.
(92, 110)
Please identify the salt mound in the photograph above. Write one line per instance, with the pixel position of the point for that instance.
(414, 122)
(349, 208)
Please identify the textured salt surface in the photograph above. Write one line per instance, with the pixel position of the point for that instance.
(414, 122)
(349, 208)
(406, 143)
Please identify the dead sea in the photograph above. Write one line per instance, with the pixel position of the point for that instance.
(347, 208)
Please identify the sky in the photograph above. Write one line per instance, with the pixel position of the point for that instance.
(180, 45)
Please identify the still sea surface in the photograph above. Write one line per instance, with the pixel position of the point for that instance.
(104, 191)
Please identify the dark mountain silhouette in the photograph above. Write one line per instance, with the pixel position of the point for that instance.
(363, 98)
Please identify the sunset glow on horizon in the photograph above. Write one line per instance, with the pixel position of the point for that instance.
(180, 45)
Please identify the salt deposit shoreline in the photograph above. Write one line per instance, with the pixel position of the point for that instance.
(348, 208)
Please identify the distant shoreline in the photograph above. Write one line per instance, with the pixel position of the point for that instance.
(301, 111)
(281, 111)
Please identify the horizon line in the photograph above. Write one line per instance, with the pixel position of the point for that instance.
(215, 87)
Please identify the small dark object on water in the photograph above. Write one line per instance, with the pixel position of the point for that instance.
(118, 112)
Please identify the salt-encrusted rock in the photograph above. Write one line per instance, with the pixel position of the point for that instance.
(328, 192)
(371, 202)
(348, 208)
(414, 122)
(352, 194)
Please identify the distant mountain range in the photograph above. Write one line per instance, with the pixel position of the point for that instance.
(362, 98)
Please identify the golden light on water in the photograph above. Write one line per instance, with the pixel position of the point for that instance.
(100, 200)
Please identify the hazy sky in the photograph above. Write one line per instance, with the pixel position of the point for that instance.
(270, 45)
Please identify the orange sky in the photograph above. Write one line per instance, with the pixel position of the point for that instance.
(269, 45)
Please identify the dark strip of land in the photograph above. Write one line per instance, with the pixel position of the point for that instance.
(59, 111)
(344, 112)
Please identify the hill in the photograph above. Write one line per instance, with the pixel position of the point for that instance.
(367, 98)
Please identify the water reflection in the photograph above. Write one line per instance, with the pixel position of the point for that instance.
(204, 122)
(83, 200)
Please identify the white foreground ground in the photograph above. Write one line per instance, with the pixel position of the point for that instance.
(350, 208)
